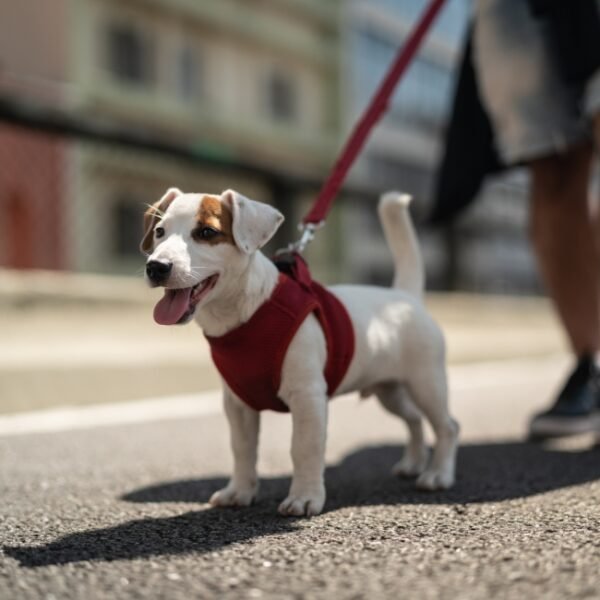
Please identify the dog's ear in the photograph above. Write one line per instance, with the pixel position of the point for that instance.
(254, 223)
(153, 214)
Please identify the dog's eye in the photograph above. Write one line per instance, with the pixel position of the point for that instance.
(159, 232)
(205, 233)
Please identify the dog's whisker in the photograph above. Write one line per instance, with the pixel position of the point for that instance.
(155, 210)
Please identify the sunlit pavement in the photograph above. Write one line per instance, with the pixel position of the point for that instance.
(112, 504)
(79, 350)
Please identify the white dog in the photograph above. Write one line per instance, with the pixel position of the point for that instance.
(205, 251)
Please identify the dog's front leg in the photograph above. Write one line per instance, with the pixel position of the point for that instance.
(309, 420)
(244, 425)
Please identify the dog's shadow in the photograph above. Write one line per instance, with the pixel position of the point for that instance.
(487, 473)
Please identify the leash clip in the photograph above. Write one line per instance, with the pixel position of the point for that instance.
(306, 237)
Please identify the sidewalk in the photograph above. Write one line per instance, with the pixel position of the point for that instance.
(81, 339)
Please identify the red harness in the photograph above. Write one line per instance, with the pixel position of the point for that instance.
(250, 357)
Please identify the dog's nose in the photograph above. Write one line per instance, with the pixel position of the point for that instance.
(157, 270)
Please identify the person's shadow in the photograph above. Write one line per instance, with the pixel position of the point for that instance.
(487, 473)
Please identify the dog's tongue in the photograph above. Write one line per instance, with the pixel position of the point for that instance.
(172, 306)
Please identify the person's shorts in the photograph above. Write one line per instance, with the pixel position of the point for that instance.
(533, 112)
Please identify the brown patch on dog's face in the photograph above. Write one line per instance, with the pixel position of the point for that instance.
(214, 222)
(152, 215)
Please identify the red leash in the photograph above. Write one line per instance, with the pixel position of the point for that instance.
(377, 107)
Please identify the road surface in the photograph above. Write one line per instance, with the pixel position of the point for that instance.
(111, 504)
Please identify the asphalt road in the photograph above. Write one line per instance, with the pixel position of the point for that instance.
(99, 510)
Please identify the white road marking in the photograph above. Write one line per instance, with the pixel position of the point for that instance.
(463, 378)
(103, 415)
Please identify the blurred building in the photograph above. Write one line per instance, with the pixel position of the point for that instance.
(266, 90)
(33, 188)
(490, 242)
(222, 79)
(404, 149)
(487, 250)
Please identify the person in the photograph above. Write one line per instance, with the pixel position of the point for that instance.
(529, 94)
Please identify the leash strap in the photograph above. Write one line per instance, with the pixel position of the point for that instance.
(377, 107)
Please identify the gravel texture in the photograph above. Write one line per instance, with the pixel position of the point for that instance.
(120, 512)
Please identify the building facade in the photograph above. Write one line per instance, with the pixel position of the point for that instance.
(275, 83)
(487, 249)
(226, 78)
(33, 189)
(404, 149)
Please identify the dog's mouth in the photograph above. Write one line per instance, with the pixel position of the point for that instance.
(177, 306)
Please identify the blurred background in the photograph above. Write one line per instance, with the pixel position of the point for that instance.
(106, 103)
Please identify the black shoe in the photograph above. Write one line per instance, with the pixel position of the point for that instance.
(577, 408)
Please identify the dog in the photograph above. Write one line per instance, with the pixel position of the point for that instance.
(205, 251)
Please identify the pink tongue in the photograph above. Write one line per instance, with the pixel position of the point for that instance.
(172, 306)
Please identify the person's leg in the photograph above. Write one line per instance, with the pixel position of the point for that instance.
(596, 187)
(564, 239)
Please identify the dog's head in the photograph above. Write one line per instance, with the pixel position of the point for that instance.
(195, 243)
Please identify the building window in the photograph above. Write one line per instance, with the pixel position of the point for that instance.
(126, 218)
(281, 97)
(389, 172)
(189, 73)
(421, 99)
(130, 55)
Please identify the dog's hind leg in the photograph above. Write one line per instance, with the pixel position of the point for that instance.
(395, 398)
(430, 395)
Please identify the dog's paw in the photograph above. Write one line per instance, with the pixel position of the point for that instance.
(233, 495)
(411, 464)
(303, 505)
(433, 479)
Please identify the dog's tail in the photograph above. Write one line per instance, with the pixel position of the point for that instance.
(399, 232)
